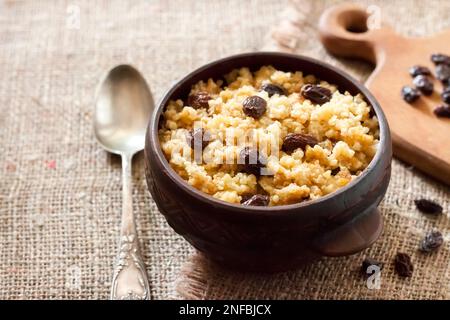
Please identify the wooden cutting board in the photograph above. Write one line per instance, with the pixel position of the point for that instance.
(419, 137)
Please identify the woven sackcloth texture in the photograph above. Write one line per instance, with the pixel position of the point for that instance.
(60, 194)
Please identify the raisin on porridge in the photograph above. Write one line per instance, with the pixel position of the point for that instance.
(268, 137)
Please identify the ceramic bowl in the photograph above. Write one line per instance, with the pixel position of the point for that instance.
(271, 239)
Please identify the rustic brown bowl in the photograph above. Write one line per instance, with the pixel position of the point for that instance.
(271, 239)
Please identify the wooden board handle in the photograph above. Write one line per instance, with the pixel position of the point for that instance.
(344, 32)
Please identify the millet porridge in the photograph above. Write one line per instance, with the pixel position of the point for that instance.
(268, 137)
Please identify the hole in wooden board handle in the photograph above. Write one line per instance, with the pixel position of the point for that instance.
(344, 32)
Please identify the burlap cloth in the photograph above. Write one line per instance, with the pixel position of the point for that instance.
(60, 193)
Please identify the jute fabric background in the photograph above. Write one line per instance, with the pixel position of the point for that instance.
(60, 194)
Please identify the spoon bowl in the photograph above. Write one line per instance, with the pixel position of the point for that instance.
(123, 107)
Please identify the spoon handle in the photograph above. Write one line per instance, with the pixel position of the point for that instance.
(130, 276)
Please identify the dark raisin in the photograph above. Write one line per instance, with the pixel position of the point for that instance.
(335, 171)
(410, 94)
(272, 89)
(198, 138)
(424, 84)
(245, 197)
(257, 200)
(415, 71)
(442, 111)
(443, 73)
(432, 241)
(428, 206)
(370, 262)
(439, 58)
(294, 141)
(316, 94)
(446, 95)
(251, 161)
(254, 106)
(403, 265)
(199, 100)
(371, 112)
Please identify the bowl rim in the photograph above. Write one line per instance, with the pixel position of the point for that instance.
(152, 134)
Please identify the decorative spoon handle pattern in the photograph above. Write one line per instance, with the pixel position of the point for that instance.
(130, 277)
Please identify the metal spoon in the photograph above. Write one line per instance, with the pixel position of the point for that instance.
(123, 107)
